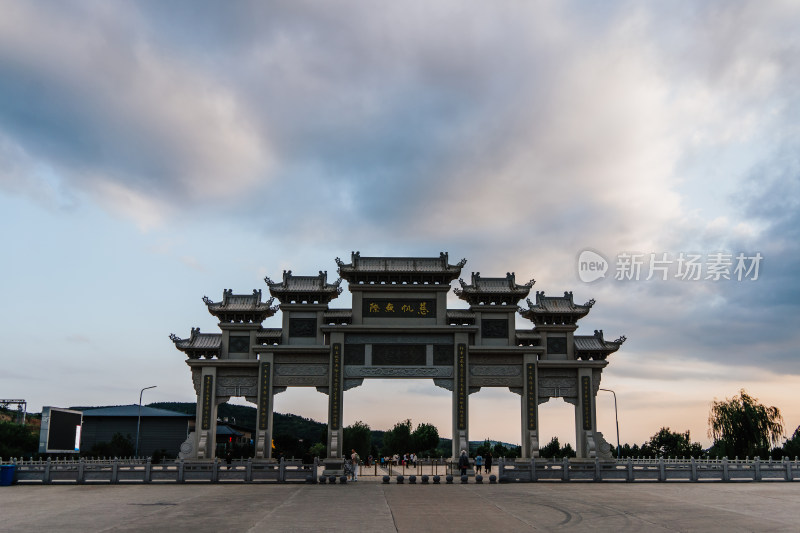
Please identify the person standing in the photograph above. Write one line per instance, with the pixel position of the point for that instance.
(463, 462)
(478, 463)
(354, 459)
(489, 463)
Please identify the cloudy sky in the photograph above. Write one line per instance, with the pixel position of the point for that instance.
(152, 153)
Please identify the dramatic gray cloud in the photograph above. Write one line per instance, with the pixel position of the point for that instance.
(512, 133)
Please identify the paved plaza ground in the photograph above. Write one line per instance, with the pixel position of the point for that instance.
(372, 506)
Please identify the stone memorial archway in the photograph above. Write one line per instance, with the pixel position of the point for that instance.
(399, 327)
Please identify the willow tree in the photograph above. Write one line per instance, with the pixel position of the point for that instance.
(742, 427)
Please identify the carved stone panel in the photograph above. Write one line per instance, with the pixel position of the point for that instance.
(398, 354)
(237, 382)
(303, 359)
(493, 328)
(556, 345)
(443, 354)
(352, 383)
(400, 372)
(301, 370)
(354, 354)
(302, 327)
(444, 383)
(495, 381)
(301, 381)
(495, 359)
(557, 382)
(494, 370)
(196, 373)
(239, 344)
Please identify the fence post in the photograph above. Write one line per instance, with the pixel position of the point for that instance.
(597, 476)
(662, 471)
(115, 471)
(757, 469)
(565, 469)
(316, 469)
(630, 470)
(214, 471)
(534, 477)
(788, 474)
(181, 472)
(47, 478)
(148, 471)
(693, 474)
(725, 474)
(248, 473)
(80, 471)
(282, 471)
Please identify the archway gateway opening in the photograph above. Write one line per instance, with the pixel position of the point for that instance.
(399, 327)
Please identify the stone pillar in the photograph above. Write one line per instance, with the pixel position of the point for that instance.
(206, 414)
(335, 399)
(264, 409)
(530, 407)
(461, 398)
(585, 415)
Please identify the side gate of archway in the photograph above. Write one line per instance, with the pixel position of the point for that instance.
(399, 327)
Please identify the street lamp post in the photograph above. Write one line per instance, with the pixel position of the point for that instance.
(139, 419)
(616, 419)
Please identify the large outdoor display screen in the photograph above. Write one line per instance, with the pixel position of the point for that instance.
(61, 430)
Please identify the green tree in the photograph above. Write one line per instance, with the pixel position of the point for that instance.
(318, 450)
(668, 443)
(358, 437)
(742, 427)
(398, 439)
(791, 447)
(425, 439)
(17, 440)
(484, 448)
(554, 449)
(551, 449)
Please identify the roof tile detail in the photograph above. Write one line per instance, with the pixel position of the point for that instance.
(304, 289)
(399, 269)
(199, 344)
(493, 291)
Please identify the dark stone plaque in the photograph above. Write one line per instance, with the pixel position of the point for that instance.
(398, 354)
(556, 345)
(208, 390)
(239, 344)
(335, 398)
(461, 387)
(443, 354)
(398, 308)
(494, 328)
(586, 402)
(264, 395)
(530, 385)
(354, 354)
(302, 327)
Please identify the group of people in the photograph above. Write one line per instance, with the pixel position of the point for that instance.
(407, 459)
(480, 463)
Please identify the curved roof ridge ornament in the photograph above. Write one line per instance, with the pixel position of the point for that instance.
(590, 303)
